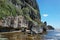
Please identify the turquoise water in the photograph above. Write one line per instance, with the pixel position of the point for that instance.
(52, 35)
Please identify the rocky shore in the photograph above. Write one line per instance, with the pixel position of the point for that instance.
(20, 15)
(20, 20)
(19, 36)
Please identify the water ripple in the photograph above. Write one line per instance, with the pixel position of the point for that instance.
(52, 35)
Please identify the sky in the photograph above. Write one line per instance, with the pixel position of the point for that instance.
(50, 12)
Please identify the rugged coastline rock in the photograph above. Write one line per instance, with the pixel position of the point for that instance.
(21, 15)
(50, 27)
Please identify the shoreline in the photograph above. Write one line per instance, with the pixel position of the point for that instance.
(20, 36)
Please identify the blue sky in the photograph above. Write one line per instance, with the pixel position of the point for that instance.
(50, 12)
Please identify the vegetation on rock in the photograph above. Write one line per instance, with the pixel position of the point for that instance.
(14, 8)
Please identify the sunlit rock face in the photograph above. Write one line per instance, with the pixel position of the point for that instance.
(20, 13)
(15, 22)
(37, 29)
(20, 21)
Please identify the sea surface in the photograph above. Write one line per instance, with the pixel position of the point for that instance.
(52, 35)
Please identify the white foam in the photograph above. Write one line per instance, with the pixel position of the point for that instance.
(49, 39)
(57, 34)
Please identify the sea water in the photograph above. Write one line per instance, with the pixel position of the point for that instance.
(52, 35)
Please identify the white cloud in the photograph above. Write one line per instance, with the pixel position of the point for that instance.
(45, 15)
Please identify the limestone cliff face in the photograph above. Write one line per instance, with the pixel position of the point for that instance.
(13, 9)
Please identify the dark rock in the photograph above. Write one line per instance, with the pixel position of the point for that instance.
(50, 27)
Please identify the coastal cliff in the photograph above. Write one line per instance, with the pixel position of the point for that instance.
(20, 14)
(19, 19)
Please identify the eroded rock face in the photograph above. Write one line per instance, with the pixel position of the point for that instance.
(23, 13)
